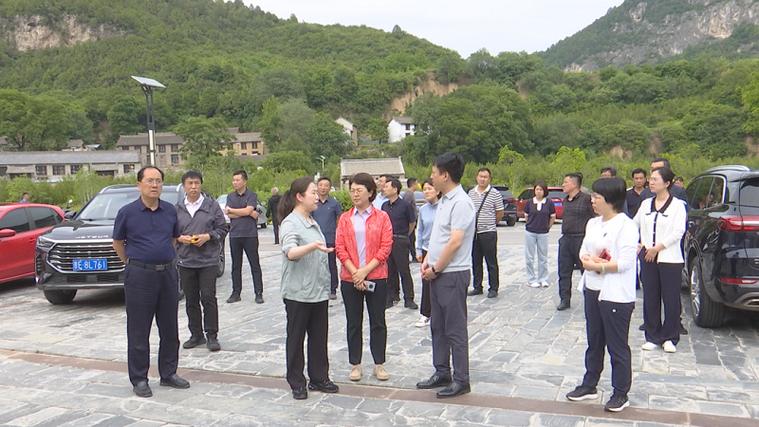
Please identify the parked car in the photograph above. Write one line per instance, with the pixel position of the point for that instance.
(222, 200)
(20, 225)
(556, 194)
(721, 244)
(78, 254)
(509, 203)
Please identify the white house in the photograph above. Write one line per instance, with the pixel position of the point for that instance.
(399, 128)
(348, 128)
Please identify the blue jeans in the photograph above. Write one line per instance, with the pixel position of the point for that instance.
(534, 242)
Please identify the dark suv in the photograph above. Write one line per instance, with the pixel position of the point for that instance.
(78, 254)
(721, 245)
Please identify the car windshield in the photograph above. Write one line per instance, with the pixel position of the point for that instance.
(105, 206)
(556, 194)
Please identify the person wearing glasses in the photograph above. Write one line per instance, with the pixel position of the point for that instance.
(144, 237)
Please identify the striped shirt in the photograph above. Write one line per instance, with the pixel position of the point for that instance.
(486, 216)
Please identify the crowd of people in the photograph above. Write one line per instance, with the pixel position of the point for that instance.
(617, 237)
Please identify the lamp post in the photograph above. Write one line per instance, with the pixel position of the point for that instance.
(322, 158)
(148, 85)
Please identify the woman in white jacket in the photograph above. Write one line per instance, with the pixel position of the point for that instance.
(608, 286)
(661, 220)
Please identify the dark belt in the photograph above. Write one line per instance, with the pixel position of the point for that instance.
(401, 235)
(154, 267)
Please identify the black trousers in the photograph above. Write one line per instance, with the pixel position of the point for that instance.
(312, 319)
(236, 247)
(199, 286)
(450, 336)
(334, 279)
(151, 294)
(398, 264)
(412, 245)
(569, 261)
(485, 246)
(607, 325)
(425, 308)
(661, 285)
(354, 315)
(275, 226)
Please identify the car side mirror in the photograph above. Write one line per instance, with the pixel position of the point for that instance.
(7, 232)
(69, 215)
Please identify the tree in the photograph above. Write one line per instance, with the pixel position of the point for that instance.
(204, 138)
(124, 117)
(750, 98)
(289, 161)
(37, 122)
(325, 137)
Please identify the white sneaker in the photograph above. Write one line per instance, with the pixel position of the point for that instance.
(534, 285)
(669, 347)
(423, 321)
(648, 346)
(544, 284)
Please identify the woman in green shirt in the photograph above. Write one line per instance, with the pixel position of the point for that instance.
(305, 289)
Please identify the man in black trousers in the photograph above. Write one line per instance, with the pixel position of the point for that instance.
(577, 212)
(403, 217)
(273, 204)
(327, 213)
(488, 208)
(149, 228)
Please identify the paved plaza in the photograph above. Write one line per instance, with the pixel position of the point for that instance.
(66, 365)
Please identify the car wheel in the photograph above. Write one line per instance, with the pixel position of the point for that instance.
(222, 265)
(60, 297)
(511, 221)
(707, 313)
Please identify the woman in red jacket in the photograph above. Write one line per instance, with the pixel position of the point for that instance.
(363, 242)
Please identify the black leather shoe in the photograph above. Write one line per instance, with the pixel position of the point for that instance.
(300, 394)
(389, 304)
(453, 390)
(213, 343)
(194, 341)
(492, 294)
(683, 331)
(642, 327)
(142, 389)
(434, 381)
(259, 299)
(233, 298)
(474, 292)
(324, 386)
(563, 305)
(175, 381)
(411, 304)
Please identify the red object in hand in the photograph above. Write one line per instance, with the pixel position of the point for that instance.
(605, 255)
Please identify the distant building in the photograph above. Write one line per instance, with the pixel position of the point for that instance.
(79, 145)
(247, 143)
(399, 128)
(374, 167)
(349, 129)
(168, 148)
(4, 145)
(54, 165)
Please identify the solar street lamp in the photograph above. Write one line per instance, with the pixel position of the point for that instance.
(148, 85)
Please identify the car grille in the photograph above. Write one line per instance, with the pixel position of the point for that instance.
(62, 255)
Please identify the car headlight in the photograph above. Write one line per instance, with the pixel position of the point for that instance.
(44, 244)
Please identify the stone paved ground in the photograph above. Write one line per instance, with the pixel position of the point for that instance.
(520, 348)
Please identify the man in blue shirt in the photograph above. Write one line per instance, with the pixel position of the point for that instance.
(326, 215)
(144, 235)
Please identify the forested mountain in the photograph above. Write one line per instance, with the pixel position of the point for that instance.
(638, 32)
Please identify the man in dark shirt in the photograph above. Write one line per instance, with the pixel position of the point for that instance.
(635, 193)
(144, 235)
(410, 198)
(243, 235)
(577, 211)
(676, 191)
(327, 213)
(403, 217)
(273, 214)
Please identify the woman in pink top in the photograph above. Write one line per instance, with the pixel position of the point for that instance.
(363, 241)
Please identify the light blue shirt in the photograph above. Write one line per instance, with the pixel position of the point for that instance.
(359, 229)
(455, 211)
(424, 226)
(379, 201)
(305, 279)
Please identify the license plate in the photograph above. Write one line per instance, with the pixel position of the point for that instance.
(90, 264)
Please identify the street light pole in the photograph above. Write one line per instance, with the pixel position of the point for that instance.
(148, 85)
(322, 158)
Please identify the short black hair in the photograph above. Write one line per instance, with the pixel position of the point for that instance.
(577, 176)
(191, 174)
(611, 169)
(666, 175)
(386, 176)
(613, 191)
(396, 183)
(637, 171)
(242, 173)
(663, 160)
(324, 178)
(141, 172)
(410, 181)
(452, 164)
(367, 181)
(679, 178)
(542, 185)
(484, 169)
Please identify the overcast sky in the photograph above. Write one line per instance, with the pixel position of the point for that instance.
(465, 26)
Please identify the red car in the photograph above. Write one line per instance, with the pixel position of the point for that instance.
(20, 225)
(556, 194)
